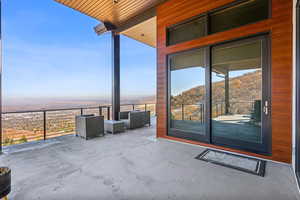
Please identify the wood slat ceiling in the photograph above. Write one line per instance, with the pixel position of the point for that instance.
(108, 11)
(144, 32)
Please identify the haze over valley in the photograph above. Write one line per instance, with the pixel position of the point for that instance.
(24, 104)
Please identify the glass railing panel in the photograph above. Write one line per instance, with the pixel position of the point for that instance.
(22, 127)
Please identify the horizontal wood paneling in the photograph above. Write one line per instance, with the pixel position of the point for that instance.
(107, 11)
(280, 29)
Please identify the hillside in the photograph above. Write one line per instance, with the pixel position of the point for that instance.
(242, 88)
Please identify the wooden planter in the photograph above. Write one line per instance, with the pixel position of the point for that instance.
(5, 181)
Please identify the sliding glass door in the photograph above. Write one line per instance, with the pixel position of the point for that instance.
(187, 94)
(225, 101)
(240, 94)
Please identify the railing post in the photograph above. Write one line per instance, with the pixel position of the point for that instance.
(227, 105)
(45, 124)
(81, 111)
(201, 120)
(133, 107)
(145, 107)
(100, 111)
(221, 108)
(182, 112)
(203, 113)
(108, 113)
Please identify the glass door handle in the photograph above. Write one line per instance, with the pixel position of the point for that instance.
(266, 108)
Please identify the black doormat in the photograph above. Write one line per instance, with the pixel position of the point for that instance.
(242, 163)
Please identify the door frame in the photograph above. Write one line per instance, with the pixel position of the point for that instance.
(180, 133)
(265, 147)
(297, 117)
(267, 137)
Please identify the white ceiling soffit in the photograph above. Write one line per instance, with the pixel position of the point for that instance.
(144, 32)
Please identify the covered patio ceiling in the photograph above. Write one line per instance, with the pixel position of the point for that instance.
(133, 18)
(144, 32)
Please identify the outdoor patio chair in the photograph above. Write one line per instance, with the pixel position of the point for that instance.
(256, 113)
(135, 119)
(89, 126)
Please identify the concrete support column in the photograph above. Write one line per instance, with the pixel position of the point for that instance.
(115, 75)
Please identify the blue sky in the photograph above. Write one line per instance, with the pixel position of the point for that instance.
(52, 51)
(185, 79)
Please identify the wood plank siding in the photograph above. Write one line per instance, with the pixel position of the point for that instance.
(280, 28)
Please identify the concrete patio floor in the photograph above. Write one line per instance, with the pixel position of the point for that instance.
(134, 166)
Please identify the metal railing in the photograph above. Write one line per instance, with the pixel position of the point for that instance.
(31, 125)
(197, 111)
(237, 107)
(193, 112)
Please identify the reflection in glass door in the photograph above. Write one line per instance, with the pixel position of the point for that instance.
(240, 104)
(225, 101)
(187, 95)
